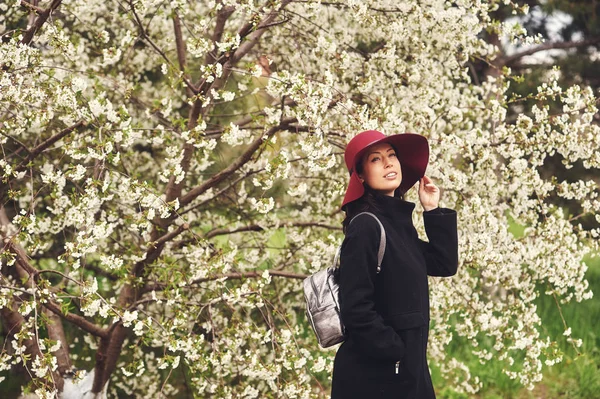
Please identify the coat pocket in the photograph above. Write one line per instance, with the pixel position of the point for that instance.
(405, 321)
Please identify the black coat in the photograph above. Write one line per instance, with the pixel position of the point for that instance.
(387, 314)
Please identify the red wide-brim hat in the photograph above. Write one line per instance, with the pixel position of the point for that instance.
(412, 151)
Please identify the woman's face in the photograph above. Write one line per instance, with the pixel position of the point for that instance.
(381, 169)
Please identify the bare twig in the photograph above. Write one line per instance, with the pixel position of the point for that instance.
(562, 317)
(38, 273)
(219, 193)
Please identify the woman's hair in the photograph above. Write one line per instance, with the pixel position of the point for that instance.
(363, 204)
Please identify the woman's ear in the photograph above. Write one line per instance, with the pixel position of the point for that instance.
(362, 180)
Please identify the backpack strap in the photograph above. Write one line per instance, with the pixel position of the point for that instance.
(382, 241)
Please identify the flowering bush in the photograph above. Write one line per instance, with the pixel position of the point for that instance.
(172, 169)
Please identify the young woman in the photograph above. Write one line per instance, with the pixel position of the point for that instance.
(386, 314)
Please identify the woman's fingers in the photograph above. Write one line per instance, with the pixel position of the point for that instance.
(426, 182)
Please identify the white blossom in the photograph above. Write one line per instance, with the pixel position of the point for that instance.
(178, 177)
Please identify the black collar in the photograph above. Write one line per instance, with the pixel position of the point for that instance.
(394, 208)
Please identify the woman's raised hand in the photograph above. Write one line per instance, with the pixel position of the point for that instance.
(429, 193)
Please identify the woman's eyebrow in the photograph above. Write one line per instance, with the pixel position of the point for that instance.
(379, 152)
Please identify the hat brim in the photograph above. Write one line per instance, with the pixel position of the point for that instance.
(412, 151)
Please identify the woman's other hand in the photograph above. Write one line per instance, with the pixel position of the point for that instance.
(429, 193)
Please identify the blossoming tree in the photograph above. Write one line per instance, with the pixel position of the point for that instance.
(171, 169)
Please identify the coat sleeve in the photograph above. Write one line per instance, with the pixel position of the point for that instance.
(358, 270)
(441, 252)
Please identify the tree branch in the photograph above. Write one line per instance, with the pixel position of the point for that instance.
(39, 21)
(345, 6)
(146, 37)
(232, 276)
(218, 194)
(509, 60)
(222, 16)
(102, 272)
(13, 323)
(239, 162)
(77, 320)
(112, 346)
(32, 273)
(169, 236)
(248, 118)
(100, 366)
(32, 7)
(256, 227)
(249, 39)
(173, 189)
(22, 145)
(229, 60)
(47, 143)
(239, 179)
(181, 50)
(56, 332)
(28, 274)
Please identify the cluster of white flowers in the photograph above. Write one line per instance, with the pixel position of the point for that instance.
(164, 210)
(235, 136)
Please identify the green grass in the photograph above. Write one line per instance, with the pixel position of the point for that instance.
(576, 377)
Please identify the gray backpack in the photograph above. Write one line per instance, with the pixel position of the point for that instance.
(321, 295)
